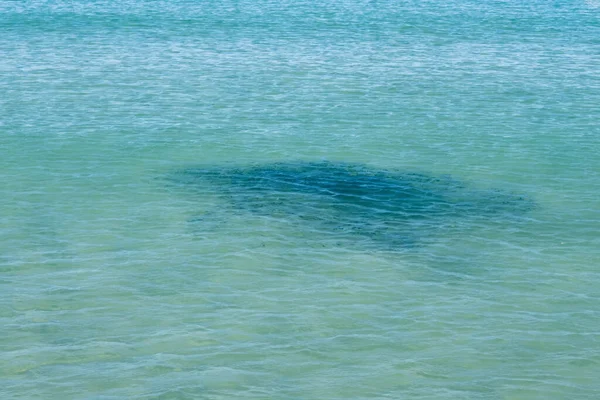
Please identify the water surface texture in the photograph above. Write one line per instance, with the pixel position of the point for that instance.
(299, 200)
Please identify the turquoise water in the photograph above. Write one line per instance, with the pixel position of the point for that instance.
(299, 200)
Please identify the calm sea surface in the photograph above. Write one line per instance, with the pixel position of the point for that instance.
(262, 199)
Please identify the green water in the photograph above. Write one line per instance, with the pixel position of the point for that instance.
(127, 271)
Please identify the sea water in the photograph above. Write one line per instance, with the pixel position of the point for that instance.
(257, 199)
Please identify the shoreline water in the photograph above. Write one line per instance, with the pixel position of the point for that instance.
(118, 281)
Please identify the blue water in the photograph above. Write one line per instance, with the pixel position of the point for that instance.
(299, 200)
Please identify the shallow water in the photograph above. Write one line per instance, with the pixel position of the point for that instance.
(154, 241)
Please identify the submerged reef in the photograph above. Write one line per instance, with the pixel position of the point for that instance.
(371, 206)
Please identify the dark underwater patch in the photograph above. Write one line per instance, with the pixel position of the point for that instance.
(361, 205)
